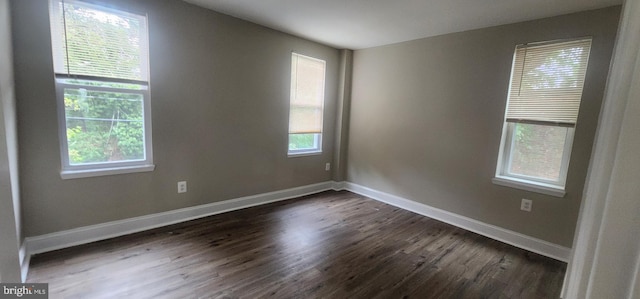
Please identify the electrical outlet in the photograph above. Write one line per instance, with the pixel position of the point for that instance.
(327, 166)
(526, 204)
(182, 187)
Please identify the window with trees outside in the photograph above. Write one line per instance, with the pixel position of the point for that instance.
(542, 110)
(306, 105)
(101, 65)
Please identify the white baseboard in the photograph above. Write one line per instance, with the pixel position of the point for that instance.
(337, 186)
(92, 233)
(494, 232)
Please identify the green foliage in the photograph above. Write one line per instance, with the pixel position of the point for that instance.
(537, 150)
(524, 136)
(560, 69)
(103, 126)
(301, 141)
(102, 44)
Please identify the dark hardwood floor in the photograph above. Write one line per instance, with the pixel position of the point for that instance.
(328, 245)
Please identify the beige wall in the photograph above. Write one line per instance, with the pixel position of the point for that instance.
(10, 223)
(427, 115)
(219, 95)
(426, 118)
(343, 105)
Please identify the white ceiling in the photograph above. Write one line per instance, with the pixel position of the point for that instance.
(358, 24)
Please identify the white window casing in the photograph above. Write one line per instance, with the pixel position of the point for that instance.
(306, 106)
(545, 90)
(101, 66)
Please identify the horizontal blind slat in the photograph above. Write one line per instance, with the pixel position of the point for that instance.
(547, 82)
(307, 95)
(90, 40)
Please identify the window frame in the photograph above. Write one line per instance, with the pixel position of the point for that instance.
(62, 81)
(503, 175)
(506, 178)
(317, 150)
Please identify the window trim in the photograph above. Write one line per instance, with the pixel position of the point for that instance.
(78, 174)
(502, 175)
(61, 79)
(529, 186)
(318, 139)
(505, 178)
(307, 151)
(69, 171)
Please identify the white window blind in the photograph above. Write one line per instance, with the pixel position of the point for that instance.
(95, 41)
(307, 95)
(546, 82)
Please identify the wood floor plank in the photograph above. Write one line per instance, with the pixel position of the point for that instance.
(328, 245)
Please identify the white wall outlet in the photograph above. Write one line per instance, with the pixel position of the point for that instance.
(327, 166)
(182, 187)
(526, 204)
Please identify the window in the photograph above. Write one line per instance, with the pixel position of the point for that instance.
(306, 105)
(101, 69)
(542, 110)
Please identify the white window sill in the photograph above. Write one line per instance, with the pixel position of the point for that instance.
(85, 173)
(537, 187)
(302, 154)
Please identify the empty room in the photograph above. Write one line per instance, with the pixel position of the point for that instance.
(319, 149)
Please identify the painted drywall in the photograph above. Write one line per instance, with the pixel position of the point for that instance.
(614, 265)
(219, 99)
(618, 248)
(427, 117)
(10, 228)
(609, 200)
(343, 106)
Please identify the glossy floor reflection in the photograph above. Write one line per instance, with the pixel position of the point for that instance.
(328, 245)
